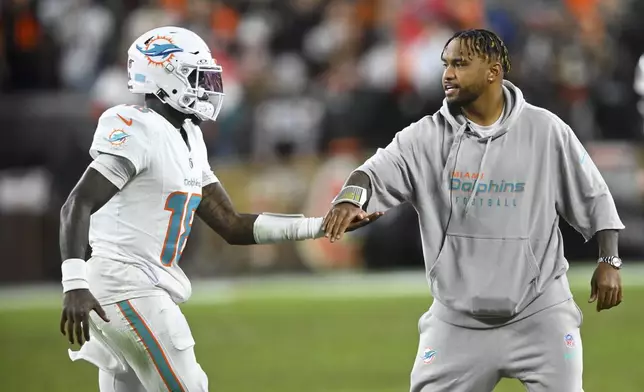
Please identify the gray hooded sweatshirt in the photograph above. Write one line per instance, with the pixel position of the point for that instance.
(489, 208)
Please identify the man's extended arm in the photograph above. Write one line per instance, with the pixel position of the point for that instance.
(217, 211)
(382, 182)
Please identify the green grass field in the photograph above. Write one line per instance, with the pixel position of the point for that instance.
(336, 334)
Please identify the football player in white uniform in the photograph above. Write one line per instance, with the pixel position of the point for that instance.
(135, 205)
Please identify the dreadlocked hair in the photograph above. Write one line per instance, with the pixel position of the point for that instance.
(485, 43)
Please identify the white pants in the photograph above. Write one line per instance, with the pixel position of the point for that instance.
(146, 346)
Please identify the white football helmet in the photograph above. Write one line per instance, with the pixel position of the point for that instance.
(177, 66)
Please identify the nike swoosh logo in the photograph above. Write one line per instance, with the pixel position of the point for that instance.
(127, 122)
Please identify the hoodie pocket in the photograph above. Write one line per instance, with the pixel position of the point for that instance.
(485, 277)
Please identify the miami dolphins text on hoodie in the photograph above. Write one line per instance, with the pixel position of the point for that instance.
(489, 207)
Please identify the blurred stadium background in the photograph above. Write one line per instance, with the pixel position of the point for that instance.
(313, 87)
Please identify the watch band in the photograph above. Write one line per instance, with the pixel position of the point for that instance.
(614, 261)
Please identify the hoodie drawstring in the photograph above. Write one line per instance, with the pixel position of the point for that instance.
(453, 153)
(478, 177)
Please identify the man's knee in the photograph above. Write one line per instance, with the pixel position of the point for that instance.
(556, 362)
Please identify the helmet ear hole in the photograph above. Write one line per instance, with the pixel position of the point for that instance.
(174, 91)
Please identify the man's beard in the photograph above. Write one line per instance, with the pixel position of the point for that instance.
(467, 97)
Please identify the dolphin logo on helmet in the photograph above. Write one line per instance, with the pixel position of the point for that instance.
(159, 50)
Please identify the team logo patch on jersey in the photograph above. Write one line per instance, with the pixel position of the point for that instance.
(569, 340)
(159, 50)
(118, 137)
(428, 355)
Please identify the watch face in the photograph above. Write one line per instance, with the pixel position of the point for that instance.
(617, 262)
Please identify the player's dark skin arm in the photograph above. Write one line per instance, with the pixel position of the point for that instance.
(217, 211)
(90, 194)
(342, 215)
(606, 282)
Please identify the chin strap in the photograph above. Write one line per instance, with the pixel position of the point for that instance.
(205, 109)
(202, 110)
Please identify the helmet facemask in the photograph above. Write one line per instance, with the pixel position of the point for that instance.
(203, 94)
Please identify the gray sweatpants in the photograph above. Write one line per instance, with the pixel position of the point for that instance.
(543, 351)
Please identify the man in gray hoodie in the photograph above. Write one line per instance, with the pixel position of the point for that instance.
(489, 175)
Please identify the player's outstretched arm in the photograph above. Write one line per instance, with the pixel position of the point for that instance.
(348, 206)
(217, 211)
(90, 194)
(384, 181)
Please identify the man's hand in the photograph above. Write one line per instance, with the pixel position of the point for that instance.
(346, 217)
(605, 287)
(76, 307)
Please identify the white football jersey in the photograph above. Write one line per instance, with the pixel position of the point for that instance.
(137, 237)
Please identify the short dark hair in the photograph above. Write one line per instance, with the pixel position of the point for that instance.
(485, 43)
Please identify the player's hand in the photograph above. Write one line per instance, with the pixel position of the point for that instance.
(76, 307)
(346, 217)
(605, 287)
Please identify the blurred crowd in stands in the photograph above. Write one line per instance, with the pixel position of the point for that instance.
(306, 72)
(329, 79)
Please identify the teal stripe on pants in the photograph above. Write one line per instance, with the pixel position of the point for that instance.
(152, 346)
